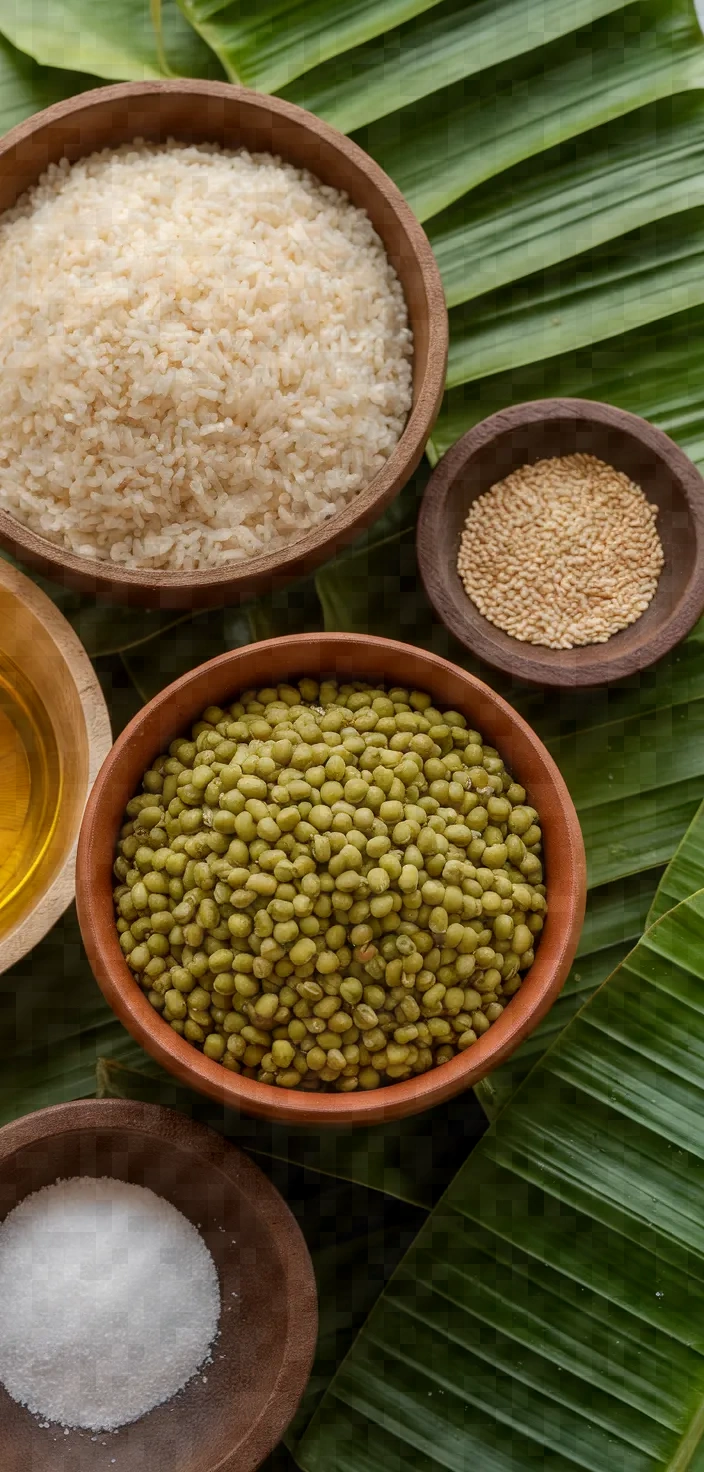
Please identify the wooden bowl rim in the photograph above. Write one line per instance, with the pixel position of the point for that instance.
(95, 914)
(51, 901)
(530, 662)
(212, 1151)
(57, 561)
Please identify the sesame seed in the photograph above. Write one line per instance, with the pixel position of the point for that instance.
(561, 553)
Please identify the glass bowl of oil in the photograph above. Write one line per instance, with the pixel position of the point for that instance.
(54, 735)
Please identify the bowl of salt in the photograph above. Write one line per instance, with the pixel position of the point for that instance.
(157, 1300)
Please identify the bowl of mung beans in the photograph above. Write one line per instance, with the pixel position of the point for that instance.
(330, 879)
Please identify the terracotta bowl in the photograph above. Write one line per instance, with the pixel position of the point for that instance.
(54, 734)
(217, 112)
(348, 656)
(262, 1359)
(537, 431)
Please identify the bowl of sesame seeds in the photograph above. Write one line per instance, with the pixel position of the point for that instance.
(561, 542)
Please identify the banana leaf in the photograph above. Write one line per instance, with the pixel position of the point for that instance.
(653, 372)
(356, 1239)
(55, 1026)
(452, 41)
(121, 698)
(412, 1160)
(600, 185)
(125, 40)
(26, 88)
(684, 873)
(442, 147)
(649, 273)
(266, 43)
(279, 1461)
(549, 1312)
(153, 665)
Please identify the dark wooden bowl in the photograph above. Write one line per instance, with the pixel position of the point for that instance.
(349, 656)
(218, 112)
(262, 1359)
(537, 431)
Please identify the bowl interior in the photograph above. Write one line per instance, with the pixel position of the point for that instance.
(518, 441)
(213, 1418)
(347, 657)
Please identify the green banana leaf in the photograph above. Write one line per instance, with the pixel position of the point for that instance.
(549, 1312)
(55, 1026)
(356, 1239)
(123, 40)
(122, 699)
(412, 1160)
(452, 41)
(279, 1461)
(649, 273)
(155, 663)
(440, 148)
(26, 88)
(652, 372)
(684, 873)
(266, 43)
(614, 179)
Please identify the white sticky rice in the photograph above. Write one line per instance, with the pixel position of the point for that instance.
(203, 354)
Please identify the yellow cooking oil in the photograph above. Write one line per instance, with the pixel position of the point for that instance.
(30, 790)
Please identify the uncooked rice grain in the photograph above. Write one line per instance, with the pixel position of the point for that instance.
(203, 354)
(561, 553)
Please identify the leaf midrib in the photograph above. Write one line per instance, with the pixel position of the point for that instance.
(689, 1443)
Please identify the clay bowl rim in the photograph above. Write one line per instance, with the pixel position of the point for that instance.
(592, 665)
(146, 587)
(170, 712)
(214, 1153)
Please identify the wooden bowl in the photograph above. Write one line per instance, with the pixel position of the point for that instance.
(349, 656)
(54, 734)
(537, 431)
(262, 1358)
(217, 112)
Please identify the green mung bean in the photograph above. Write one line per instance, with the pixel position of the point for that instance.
(330, 887)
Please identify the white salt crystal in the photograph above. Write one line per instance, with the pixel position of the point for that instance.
(109, 1302)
